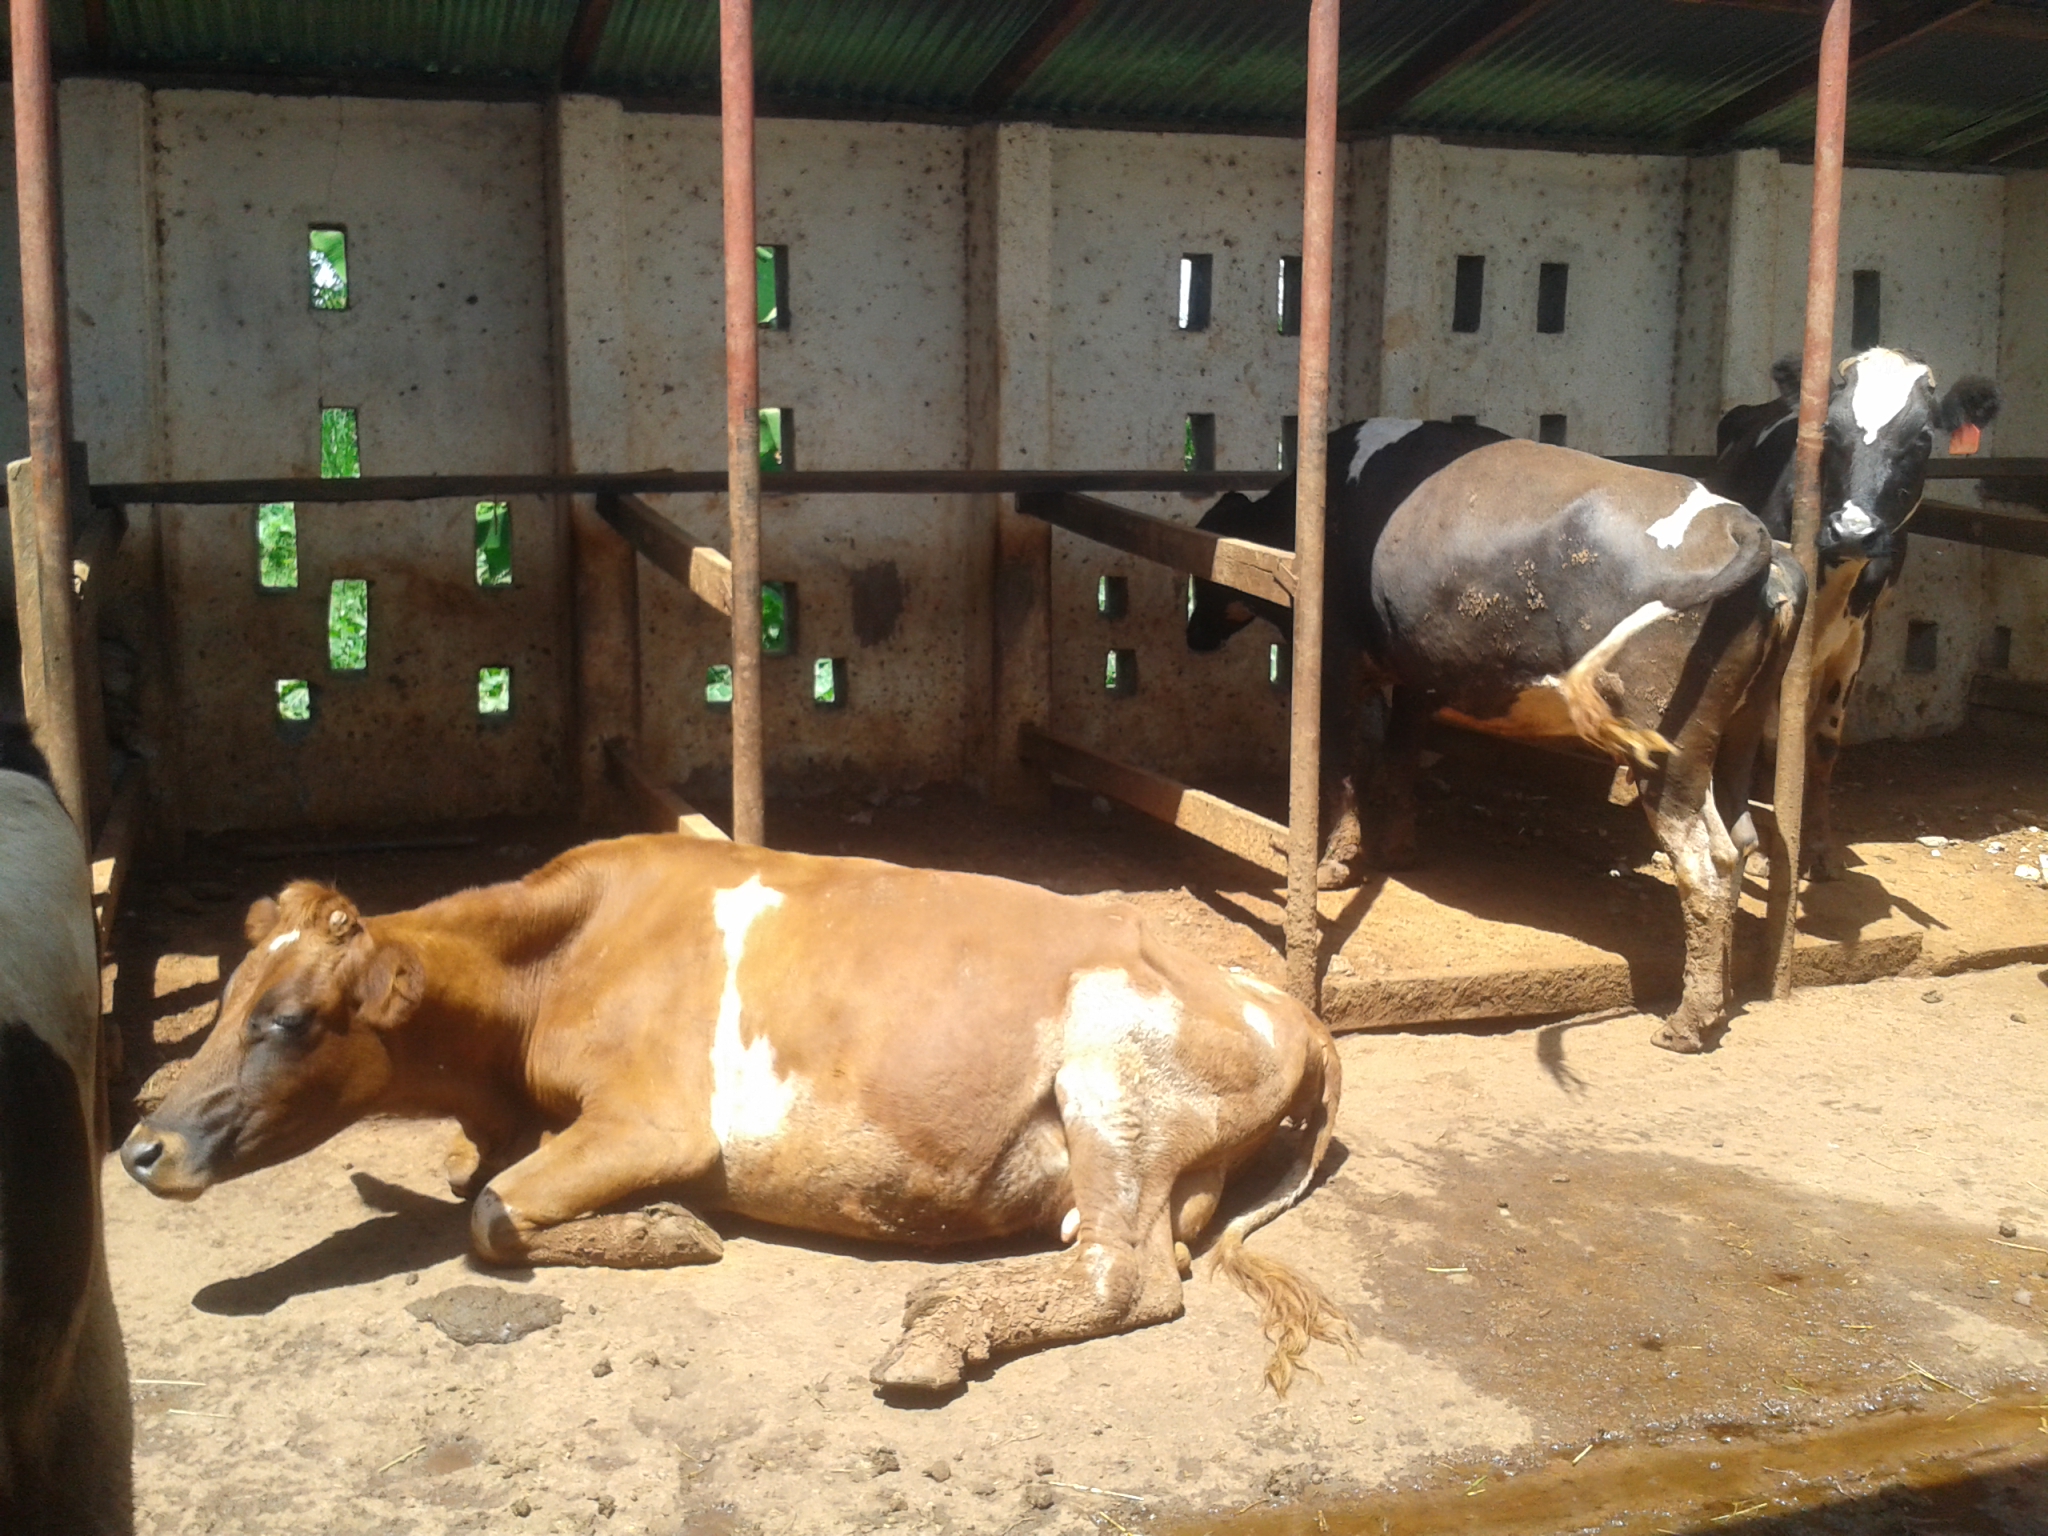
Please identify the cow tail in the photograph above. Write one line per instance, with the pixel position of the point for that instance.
(1293, 1310)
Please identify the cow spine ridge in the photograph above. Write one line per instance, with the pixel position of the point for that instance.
(1293, 1310)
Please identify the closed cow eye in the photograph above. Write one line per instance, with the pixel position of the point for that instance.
(288, 1024)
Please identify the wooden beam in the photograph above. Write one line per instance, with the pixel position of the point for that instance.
(113, 856)
(1052, 27)
(1253, 568)
(663, 806)
(99, 33)
(586, 33)
(1905, 25)
(1459, 42)
(1972, 525)
(697, 566)
(1214, 820)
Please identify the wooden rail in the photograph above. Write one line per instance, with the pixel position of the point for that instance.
(1254, 568)
(1214, 820)
(1973, 525)
(668, 548)
(662, 805)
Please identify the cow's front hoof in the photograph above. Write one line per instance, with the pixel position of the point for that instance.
(493, 1235)
(1823, 864)
(919, 1363)
(1337, 874)
(1678, 1036)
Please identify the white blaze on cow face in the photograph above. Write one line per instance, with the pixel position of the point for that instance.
(1380, 432)
(1669, 530)
(749, 1101)
(1884, 383)
(282, 940)
(1852, 522)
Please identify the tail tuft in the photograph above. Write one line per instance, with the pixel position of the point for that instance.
(1293, 1310)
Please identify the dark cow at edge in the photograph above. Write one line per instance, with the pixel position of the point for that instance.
(65, 1423)
(1883, 415)
(835, 1045)
(1534, 592)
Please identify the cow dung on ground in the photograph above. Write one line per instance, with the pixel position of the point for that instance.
(486, 1314)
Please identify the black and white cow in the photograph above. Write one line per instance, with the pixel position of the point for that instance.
(65, 1424)
(1535, 592)
(1882, 420)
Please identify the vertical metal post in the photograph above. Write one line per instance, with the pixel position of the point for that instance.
(1816, 377)
(46, 348)
(1304, 757)
(742, 412)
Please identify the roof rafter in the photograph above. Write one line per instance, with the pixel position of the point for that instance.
(2023, 135)
(1456, 44)
(99, 32)
(1053, 26)
(586, 32)
(1907, 24)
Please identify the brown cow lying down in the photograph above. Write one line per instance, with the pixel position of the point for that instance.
(836, 1045)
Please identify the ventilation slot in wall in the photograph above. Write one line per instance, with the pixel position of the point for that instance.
(1866, 313)
(1464, 421)
(493, 544)
(277, 546)
(1120, 673)
(327, 260)
(1550, 428)
(348, 626)
(718, 687)
(778, 618)
(294, 700)
(778, 439)
(494, 690)
(1287, 304)
(340, 455)
(2000, 657)
(1279, 666)
(1922, 641)
(1468, 302)
(1112, 596)
(828, 682)
(1290, 444)
(1195, 273)
(1198, 442)
(771, 287)
(1553, 281)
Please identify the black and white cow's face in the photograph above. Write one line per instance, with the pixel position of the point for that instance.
(1881, 428)
(1215, 613)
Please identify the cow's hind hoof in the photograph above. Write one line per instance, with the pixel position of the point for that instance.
(919, 1363)
(1337, 874)
(1672, 1037)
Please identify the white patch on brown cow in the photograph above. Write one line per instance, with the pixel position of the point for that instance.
(1669, 530)
(1117, 1043)
(1260, 1021)
(1884, 383)
(750, 1101)
(1372, 436)
(1069, 1225)
(283, 939)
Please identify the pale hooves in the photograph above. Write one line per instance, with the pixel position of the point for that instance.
(1337, 874)
(658, 1236)
(1684, 1039)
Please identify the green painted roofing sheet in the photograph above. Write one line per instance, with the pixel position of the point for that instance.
(1627, 72)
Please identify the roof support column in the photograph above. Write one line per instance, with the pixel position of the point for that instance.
(742, 412)
(1817, 374)
(1304, 778)
(40, 499)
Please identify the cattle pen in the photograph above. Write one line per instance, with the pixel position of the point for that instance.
(410, 479)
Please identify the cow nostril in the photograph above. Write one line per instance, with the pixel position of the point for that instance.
(141, 1156)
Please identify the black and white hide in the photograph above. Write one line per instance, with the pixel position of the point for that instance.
(1543, 594)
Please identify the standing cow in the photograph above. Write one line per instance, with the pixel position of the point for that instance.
(1882, 419)
(1537, 593)
(65, 1423)
(836, 1045)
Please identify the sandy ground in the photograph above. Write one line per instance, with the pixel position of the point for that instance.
(1548, 1237)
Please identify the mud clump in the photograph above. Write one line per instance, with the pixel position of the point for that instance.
(486, 1314)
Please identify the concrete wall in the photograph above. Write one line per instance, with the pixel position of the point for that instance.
(2016, 588)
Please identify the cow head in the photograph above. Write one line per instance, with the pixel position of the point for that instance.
(1216, 612)
(1881, 427)
(301, 1048)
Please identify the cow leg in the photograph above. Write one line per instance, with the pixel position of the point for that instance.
(1399, 764)
(479, 1151)
(1679, 802)
(543, 1209)
(1347, 762)
(1119, 1274)
(1817, 834)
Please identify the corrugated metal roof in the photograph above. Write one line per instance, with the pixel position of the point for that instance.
(1640, 73)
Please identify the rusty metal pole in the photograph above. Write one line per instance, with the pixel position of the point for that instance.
(742, 413)
(47, 355)
(1817, 374)
(1304, 754)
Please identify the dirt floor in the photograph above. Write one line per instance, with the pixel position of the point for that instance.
(1798, 1284)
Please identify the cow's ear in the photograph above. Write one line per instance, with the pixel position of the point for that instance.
(386, 985)
(261, 919)
(1972, 402)
(1785, 374)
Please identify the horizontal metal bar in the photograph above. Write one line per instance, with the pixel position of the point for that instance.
(1214, 820)
(1972, 525)
(1253, 568)
(668, 548)
(796, 482)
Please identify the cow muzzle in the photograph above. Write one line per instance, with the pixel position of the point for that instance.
(161, 1162)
